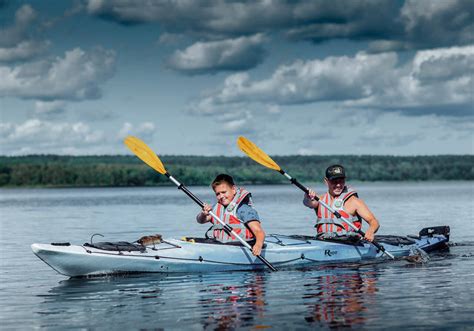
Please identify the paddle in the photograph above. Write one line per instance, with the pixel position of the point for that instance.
(261, 157)
(144, 153)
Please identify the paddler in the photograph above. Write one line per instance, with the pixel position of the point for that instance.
(345, 200)
(234, 207)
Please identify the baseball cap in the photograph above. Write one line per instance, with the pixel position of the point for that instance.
(335, 171)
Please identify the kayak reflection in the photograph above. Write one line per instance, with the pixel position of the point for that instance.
(234, 306)
(210, 301)
(339, 298)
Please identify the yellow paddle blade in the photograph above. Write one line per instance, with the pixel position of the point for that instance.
(256, 153)
(144, 153)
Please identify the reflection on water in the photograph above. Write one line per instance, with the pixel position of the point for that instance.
(328, 297)
(234, 306)
(220, 301)
(340, 299)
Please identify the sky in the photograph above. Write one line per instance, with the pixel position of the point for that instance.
(189, 77)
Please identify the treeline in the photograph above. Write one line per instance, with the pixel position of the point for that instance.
(80, 171)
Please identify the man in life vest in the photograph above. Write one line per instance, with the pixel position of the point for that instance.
(234, 207)
(344, 199)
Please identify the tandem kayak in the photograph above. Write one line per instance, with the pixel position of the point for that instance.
(205, 255)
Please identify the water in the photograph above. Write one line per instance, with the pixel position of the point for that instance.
(437, 294)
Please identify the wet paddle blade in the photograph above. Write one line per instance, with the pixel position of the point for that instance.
(256, 153)
(144, 153)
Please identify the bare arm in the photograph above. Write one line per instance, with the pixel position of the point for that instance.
(363, 211)
(259, 234)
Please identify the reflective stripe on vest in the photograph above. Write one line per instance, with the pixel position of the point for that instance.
(229, 216)
(326, 222)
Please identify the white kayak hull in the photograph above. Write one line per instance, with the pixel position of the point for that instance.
(173, 255)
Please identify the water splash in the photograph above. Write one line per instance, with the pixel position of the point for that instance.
(417, 255)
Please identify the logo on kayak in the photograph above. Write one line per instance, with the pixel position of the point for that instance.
(338, 203)
(329, 252)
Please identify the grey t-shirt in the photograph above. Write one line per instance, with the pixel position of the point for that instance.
(246, 213)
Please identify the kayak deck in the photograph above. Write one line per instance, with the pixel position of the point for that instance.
(201, 255)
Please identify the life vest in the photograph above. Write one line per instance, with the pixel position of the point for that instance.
(229, 216)
(328, 223)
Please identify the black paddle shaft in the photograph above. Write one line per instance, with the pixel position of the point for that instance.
(227, 228)
(305, 189)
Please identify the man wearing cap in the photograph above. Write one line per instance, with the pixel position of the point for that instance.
(344, 199)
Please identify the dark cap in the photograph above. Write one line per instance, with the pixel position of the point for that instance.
(335, 171)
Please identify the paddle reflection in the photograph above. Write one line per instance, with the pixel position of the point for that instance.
(340, 298)
(234, 306)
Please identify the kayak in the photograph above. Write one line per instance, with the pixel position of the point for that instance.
(206, 255)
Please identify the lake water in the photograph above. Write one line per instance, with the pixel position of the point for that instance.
(436, 295)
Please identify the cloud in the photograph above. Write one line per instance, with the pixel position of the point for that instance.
(16, 41)
(432, 82)
(334, 78)
(77, 8)
(23, 51)
(16, 33)
(77, 76)
(49, 107)
(390, 25)
(211, 18)
(35, 136)
(319, 21)
(437, 81)
(144, 130)
(235, 123)
(438, 23)
(209, 57)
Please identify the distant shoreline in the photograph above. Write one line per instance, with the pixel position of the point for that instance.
(171, 185)
(54, 171)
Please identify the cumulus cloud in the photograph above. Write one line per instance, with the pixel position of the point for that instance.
(49, 107)
(438, 23)
(334, 78)
(47, 137)
(42, 136)
(14, 34)
(76, 76)
(236, 122)
(188, 16)
(16, 41)
(145, 130)
(209, 57)
(391, 25)
(23, 51)
(319, 21)
(436, 81)
(441, 78)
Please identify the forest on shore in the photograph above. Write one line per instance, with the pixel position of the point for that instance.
(127, 170)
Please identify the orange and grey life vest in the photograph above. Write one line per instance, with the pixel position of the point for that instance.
(327, 223)
(229, 216)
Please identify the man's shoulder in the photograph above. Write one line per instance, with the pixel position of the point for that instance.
(353, 200)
